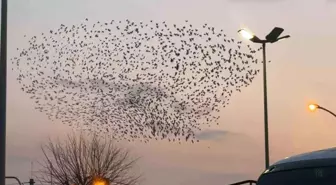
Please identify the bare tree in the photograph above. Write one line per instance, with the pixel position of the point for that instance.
(81, 160)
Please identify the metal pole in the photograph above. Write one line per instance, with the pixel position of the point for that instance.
(319, 107)
(265, 107)
(3, 89)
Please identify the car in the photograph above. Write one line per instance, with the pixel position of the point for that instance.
(312, 168)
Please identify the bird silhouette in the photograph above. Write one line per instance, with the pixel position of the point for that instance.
(138, 81)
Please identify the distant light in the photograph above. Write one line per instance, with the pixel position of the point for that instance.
(313, 107)
(246, 34)
(100, 181)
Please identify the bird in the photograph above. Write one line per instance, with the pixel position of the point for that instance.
(137, 81)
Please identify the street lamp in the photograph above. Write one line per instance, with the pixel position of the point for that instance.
(314, 107)
(3, 90)
(100, 181)
(272, 37)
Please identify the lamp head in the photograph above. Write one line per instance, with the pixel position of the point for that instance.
(313, 107)
(272, 37)
(249, 36)
(274, 34)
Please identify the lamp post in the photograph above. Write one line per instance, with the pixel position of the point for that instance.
(272, 37)
(3, 89)
(314, 107)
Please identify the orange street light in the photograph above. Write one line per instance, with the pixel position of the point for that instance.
(100, 181)
(314, 107)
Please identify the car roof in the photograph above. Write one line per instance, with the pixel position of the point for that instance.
(329, 153)
(325, 157)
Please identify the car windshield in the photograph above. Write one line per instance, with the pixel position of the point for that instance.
(307, 176)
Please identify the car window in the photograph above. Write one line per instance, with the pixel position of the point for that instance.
(307, 176)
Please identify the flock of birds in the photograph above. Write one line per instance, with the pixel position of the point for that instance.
(135, 80)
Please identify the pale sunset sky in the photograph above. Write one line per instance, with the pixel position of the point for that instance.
(302, 71)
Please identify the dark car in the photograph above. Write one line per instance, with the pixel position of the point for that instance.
(313, 168)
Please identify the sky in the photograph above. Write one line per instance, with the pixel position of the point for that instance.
(301, 72)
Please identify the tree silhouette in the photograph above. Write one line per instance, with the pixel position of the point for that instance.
(81, 160)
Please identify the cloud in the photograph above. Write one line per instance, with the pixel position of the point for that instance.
(212, 134)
